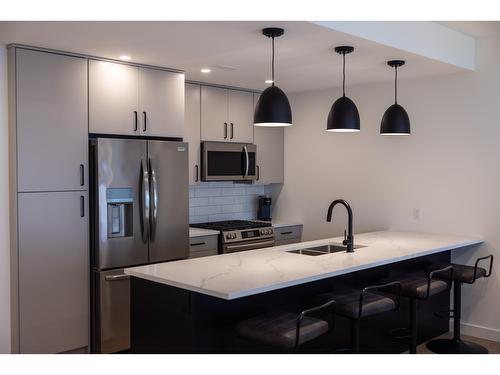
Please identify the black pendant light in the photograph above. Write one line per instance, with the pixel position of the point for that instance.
(273, 108)
(395, 120)
(343, 116)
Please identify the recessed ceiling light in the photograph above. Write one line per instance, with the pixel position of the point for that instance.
(269, 81)
(125, 57)
(205, 70)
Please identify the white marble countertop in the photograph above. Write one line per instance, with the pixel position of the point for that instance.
(198, 232)
(235, 275)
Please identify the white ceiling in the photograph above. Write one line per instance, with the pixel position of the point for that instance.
(305, 57)
(477, 29)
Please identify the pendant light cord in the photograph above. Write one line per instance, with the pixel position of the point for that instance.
(343, 73)
(395, 85)
(272, 64)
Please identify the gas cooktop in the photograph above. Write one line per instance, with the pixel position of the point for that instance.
(231, 225)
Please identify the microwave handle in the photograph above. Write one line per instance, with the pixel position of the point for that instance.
(247, 161)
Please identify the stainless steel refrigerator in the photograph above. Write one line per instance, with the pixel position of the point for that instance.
(139, 215)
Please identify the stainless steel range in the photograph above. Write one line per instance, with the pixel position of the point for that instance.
(240, 235)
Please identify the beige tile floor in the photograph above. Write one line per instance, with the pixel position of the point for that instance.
(492, 346)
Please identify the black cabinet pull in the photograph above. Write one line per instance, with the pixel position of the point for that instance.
(225, 130)
(258, 172)
(198, 244)
(196, 171)
(145, 119)
(82, 206)
(286, 232)
(232, 130)
(135, 123)
(82, 175)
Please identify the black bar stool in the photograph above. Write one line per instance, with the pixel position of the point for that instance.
(461, 274)
(355, 305)
(285, 330)
(418, 287)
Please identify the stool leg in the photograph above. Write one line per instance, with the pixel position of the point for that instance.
(355, 323)
(413, 326)
(456, 345)
(457, 309)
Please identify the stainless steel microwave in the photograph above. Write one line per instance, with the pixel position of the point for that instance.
(225, 161)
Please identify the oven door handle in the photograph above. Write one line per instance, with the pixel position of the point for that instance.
(249, 246)
(247, 161)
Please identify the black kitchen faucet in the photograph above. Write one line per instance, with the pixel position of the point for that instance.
(349, 238)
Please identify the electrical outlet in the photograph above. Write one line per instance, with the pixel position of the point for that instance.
(417, 214)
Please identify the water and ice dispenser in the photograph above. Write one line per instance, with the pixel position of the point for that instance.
(120, 212)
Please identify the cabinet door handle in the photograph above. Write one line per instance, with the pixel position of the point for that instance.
(82, 206)
(258, 172)
(232, 130)
(145, 120)
(225, 130)
(82, 175)
(196, 171)
(135, 123)
(198, 244)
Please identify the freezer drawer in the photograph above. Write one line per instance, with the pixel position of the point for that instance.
(114, 308)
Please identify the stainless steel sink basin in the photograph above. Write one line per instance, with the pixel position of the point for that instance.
(323, 249)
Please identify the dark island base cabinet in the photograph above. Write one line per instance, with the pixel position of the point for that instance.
(166, 319)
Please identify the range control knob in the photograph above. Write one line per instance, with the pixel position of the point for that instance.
(228, 236)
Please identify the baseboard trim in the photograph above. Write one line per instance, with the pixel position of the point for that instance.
(478, 331)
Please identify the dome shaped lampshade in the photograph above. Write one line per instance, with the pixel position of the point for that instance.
(395, 121)
(273, 108)
(343, 116)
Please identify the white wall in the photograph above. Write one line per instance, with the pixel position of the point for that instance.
(4, 210)
(449, 167)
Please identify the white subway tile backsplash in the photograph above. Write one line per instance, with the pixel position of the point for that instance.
(216, 201)
(207, 210)
(211, 192)
(230, 208)
(234, 191)
(221, 200)
(197, 202)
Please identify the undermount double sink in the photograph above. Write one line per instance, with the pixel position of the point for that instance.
(323, 249)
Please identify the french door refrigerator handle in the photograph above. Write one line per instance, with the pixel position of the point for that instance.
(246, 161)
(154, 202)
(144, 188)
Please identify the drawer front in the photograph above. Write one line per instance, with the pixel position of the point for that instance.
(204, 253)
(202, 243)
(287, 242)
(287, 233)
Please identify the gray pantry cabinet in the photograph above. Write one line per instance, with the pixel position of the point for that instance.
(53, 271)
(131, 100)
(51, 101)
(192, 130)
(49, 135)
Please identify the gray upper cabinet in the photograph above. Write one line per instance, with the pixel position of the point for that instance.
(53, 272)
(214, 121)
(131, 100)
(161, 103)
(113, 98)
(192, 130)
(241, 116)
(270, 153)
(51, 117)
(226, 115)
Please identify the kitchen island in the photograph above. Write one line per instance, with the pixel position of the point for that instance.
(192, 305)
